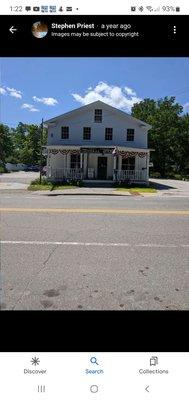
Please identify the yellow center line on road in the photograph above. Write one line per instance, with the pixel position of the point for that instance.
(94, 211)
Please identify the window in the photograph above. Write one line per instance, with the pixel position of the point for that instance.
(108, 133)
(75, 161)
(51, 134)
(128, 163)
(86, 133)
(65, 132)
(98, 116)
(130, 135)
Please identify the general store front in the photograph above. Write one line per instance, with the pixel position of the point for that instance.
(97, 163)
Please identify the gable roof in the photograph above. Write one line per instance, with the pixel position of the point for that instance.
(98, 103)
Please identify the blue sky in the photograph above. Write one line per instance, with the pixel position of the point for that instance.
(35, 88)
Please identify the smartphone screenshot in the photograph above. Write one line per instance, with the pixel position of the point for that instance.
(94, 199)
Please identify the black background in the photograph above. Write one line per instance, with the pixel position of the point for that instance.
(157, 38)
(93, 330)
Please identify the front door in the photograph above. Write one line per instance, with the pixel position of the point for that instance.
(102, 168)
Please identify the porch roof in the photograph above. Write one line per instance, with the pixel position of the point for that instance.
(118, 148)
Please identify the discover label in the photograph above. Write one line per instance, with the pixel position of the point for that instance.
(35, 371)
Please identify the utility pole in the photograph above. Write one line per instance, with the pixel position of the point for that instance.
(41, 158)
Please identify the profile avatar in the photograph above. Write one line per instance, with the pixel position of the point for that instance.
(39, 29)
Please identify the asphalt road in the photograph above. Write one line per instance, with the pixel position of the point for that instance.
(94, 252)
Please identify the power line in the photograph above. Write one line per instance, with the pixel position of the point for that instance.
(179, 92)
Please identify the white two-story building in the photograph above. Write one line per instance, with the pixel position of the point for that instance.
(97, 141)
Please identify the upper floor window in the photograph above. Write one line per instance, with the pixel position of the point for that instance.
(86, 133)
(130, 135)
(108, 133)
(51, 134)
(65, 132)
(98, 115)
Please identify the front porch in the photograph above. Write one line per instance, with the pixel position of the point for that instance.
(69, 174)
(112, 164)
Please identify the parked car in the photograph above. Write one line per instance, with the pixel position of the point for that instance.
(34, 168)
(15, 167)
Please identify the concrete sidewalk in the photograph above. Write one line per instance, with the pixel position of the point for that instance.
(13, 186)
(171, 187)
(19, 180)
(84, 191)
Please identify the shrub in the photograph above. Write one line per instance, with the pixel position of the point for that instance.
(173, 175)
(155, 175)
(37, 182)
(178, 176)
(75, 182)
(2, 169)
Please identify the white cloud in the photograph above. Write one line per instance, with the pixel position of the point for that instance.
(129, 91)
(2, 90)
(14, 92)
(48, 101)
(186, 107)
(116, 96)
(29, 107)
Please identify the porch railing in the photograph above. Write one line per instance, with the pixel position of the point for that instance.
(61, 174)
(129, 175)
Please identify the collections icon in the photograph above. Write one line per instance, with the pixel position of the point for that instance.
(153, 361)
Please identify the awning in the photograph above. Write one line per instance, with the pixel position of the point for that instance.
(124, 152)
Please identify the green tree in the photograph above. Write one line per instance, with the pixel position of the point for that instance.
(30, 151)
(164, 116)
(181, 151)
(19, 138)
(6, 144)
(26, 143)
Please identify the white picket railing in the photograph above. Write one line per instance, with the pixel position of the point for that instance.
(126, 175)
(61, 174)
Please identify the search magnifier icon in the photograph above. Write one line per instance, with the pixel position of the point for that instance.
(93, 360)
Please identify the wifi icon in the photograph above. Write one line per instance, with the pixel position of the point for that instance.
(149, 8)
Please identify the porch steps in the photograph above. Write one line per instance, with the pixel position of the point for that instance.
(97, 183)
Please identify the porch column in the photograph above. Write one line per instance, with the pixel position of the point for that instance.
(87, 166)
(119, 163)
(147, 167)
(66, 166)
(81, 165)
(137, 167)
(115, 162)
(48, 164)
(114, 168)
(81, 161)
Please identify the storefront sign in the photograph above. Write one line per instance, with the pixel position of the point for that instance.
(98, 150)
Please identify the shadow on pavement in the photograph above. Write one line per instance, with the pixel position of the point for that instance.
(161, 186)
(85, 194)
